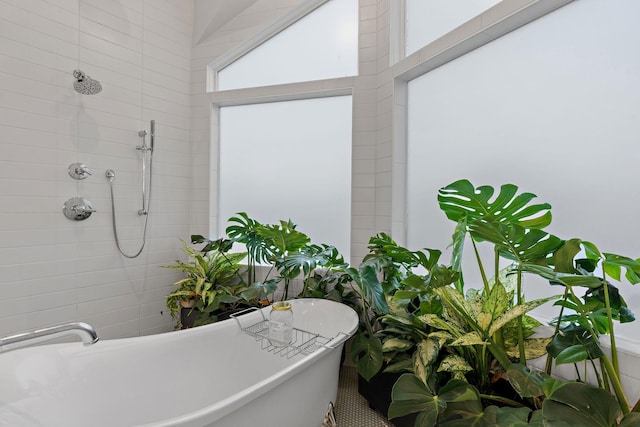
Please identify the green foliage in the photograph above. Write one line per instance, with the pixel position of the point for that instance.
(462, 200)
(209, 282)
(481, 327)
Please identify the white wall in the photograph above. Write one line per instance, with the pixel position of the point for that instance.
(53, 269)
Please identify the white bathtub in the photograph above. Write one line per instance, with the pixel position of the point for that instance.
(212, 375)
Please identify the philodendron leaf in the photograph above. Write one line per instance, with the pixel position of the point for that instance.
(574, 335)
(564, 256)
(573, 354)
(366, 352)
(613, 264)
(463, 400)
(410, 395)
(493, 416)
(632, 419)
(526, 382)
(578, 404)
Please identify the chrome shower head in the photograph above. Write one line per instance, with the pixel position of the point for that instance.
(85, 84)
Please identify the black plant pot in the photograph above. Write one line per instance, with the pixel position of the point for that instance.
(188, 316)
(377, 391)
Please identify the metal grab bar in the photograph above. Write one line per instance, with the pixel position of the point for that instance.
(83, 330)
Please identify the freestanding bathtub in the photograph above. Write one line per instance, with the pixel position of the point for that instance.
(215, 375)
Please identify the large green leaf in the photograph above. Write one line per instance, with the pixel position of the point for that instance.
(557, 278)
(366, 353)
(632, 419)
(578, 404)
(493, 416)
(526, 382)
(514, 241)
(454, 363)
(563, 258)
(533, 348)
(613, 264)
(460, 199)
(396, 344)
(571, 336)
(426, 353)
(243, 229)
(497, 302)
(438, 323)
(517, 311)
(410, 395)
(283, 238)
(572, 354)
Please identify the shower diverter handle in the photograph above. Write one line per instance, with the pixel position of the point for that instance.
(77, 208)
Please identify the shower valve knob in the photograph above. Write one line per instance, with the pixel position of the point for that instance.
(78, 171)
(77, 208)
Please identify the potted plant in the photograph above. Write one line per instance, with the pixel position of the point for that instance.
(487, 330)
(210, 288)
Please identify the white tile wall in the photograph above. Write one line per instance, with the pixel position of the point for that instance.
(53, 269)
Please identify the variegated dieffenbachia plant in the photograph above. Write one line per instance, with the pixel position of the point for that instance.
(482, 329)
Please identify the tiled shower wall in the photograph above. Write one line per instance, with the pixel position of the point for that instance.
(56, 270)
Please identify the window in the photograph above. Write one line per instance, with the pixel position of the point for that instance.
(551, 112)
(289, 160)
(427, 20)
(321, 45)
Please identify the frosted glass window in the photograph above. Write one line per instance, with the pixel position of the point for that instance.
(321, 45)
(427, 20)
(289, 160)
(552, 111)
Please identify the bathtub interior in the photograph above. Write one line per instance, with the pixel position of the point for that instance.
(159, 377)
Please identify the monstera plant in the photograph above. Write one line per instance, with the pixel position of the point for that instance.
(488, 332)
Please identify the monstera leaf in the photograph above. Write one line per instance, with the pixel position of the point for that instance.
(515, 242)
(460, 199)
(507, 220)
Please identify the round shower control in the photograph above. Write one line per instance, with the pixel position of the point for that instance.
(77, 208)
(78, 171)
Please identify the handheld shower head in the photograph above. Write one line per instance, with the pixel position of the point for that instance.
(85, 84)
(153, 133)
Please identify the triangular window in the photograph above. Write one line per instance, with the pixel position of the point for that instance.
(321, 45)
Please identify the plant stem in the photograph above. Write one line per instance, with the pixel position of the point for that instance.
(502, 399)
(612, 335)
(500, 355)
(523, 355)
(615, 383)
(485, 282)
(598, 376)
(549, 361)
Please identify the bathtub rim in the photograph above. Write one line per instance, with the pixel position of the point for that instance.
(229, 404)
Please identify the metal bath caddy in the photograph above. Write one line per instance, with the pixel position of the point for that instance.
(303, 342)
